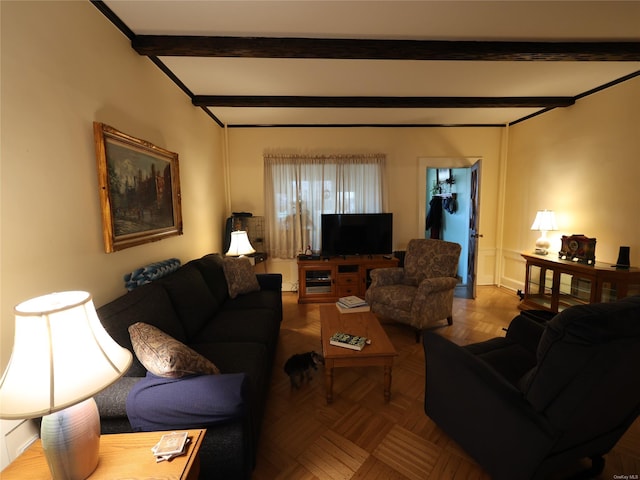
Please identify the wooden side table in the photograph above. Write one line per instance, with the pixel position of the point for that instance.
(122, 456)
(553, 284)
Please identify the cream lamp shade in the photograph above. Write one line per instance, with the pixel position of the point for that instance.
(544, 222)
(61, 357)
(240, 244)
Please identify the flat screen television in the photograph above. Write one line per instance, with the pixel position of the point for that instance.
(356, 234)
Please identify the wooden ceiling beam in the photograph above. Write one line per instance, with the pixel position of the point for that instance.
(267, 47)
(379, 102)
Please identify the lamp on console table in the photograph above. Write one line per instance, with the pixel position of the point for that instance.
(61, 357)
(240, 244)
(544, 222)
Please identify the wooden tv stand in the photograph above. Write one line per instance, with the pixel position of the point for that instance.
(326, 280)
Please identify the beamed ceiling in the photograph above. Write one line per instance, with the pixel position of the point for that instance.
(383, 63)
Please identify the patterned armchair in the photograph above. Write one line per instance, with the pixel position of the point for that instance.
(421, 292)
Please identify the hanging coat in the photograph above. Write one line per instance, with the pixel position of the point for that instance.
(434, 217)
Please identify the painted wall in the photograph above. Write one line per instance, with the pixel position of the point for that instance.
(58, 77)
(403, 147)
(582, 162)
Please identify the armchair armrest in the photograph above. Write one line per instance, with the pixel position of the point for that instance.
(438, 284)
(435, 296)
(386, 276)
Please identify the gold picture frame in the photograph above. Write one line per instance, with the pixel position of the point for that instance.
(139, 185)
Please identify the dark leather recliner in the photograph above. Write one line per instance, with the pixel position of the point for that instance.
(542, 397)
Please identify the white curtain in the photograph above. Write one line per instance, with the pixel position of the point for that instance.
(299, 188)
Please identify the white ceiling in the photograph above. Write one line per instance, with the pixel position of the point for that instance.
(452, 21)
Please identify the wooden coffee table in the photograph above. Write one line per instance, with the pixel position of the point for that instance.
(379, 353)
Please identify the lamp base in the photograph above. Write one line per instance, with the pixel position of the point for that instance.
(542, 244)
(71, 441)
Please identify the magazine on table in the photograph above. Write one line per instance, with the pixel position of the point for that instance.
(346, 340)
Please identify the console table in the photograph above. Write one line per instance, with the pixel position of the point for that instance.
(552, 284)
(326, 280)
(122, 455)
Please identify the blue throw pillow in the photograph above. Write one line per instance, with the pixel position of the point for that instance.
(157, 403)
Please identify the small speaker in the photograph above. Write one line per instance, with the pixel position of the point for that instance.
(623, 258)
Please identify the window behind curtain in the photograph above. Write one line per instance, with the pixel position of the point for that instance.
(299, 189)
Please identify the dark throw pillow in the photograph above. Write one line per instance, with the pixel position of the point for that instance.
(241, 278)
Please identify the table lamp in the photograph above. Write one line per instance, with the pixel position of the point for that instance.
(240, 244)
(61, 357)
(544, 222)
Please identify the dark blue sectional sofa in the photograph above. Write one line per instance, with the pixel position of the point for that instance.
(238, 335)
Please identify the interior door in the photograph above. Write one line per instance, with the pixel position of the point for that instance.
(474, 221)
(467, 232)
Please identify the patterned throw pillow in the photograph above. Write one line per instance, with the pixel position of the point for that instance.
(241, 278)
(165, 356)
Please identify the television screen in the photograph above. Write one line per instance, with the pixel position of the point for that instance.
(357, 233)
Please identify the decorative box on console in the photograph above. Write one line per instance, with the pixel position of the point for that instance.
(578, 248)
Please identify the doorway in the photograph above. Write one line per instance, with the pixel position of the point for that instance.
(448, 193)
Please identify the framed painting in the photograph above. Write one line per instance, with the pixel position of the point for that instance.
(139, 186)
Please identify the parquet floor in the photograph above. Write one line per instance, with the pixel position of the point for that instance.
(359, 436)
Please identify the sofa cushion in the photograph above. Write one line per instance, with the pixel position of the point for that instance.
(240, 275)
(157, 403)
(112, 400)
(190, 297)
(252, 362)
(257, 325)
(164, 356)
(249, 301)
(210, 267)
(149, 304)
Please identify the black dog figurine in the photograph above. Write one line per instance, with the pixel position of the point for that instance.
(300, 365)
